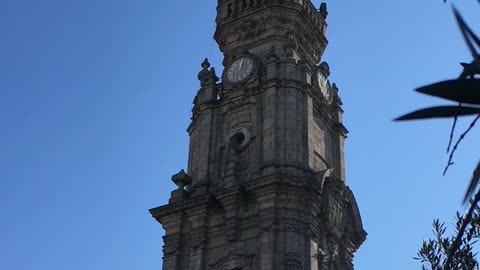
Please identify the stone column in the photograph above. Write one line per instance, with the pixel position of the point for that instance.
(267, 223)
(198, 220)
(172, 225)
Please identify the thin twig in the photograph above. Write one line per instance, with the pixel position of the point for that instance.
(466, 73)
(449, 163)
(453, 130)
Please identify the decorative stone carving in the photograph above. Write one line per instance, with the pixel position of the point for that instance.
(328, 260)
(323, 10)
(292, 261)
(251, 29)
(234, 261)
(341, 212)
(272, 54)
(294, 225)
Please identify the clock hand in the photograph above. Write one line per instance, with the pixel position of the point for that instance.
(241, 64)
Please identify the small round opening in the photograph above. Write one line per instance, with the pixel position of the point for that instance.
(237, 139)
(240, 139)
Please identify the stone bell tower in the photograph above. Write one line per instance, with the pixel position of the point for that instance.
(265, 186)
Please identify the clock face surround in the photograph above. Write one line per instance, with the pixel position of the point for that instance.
(240, 69)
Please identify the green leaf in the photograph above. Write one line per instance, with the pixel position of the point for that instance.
(464, 91)
(439, 112)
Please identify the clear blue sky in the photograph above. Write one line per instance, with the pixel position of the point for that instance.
(95, 98)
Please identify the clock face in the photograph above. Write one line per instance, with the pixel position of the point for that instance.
(324, 85)
(240, 69)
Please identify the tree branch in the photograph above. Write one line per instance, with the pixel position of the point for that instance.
(460, 139)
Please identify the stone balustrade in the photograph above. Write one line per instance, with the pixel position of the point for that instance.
(230, 8)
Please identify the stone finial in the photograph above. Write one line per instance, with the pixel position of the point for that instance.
(206, 76)
(323, 10)
(324, 68)
(182, 179)
(335, 88)
(292, 45)
(205, 64)
(204, 72)
(336, 98)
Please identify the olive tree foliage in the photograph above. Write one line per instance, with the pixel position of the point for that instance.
(439, 253)
(445, 252)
